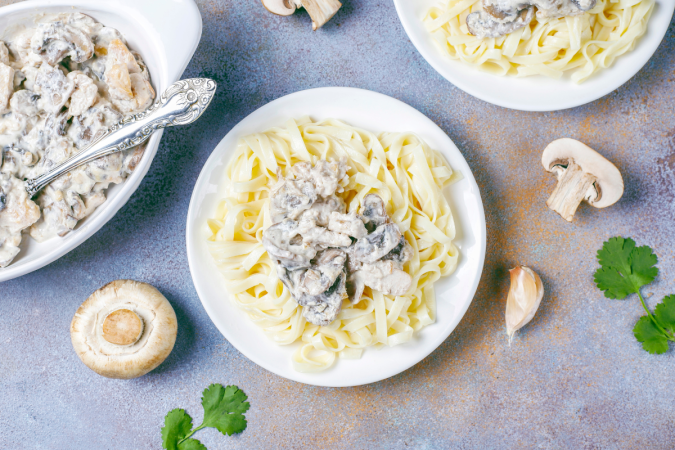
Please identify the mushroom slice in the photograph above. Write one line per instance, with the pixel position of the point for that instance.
(484, 25)
(54, 87)
(329, 265)
(25, 102)
(373, 212)
(377, 244)
(284, 243)
(324, 308)
(349, 224)
(54, 41)
(320, 11)
(290, 198)
(401, 253)
(124, 330)
(583, 174)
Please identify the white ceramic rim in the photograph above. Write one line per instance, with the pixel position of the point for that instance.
(360, 108)
(150, 24)
(536, 93)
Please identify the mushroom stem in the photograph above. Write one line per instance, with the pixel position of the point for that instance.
(122, 327)
(321, 11)
(574, 185)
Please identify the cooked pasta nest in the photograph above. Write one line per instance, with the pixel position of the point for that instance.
(582, 44)
(400, 168)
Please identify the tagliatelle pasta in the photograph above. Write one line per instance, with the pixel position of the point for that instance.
(583, 44)
(400, 168)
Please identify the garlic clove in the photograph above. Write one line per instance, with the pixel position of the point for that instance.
(524, 298)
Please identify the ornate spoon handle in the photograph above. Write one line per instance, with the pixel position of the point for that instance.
(182, 103)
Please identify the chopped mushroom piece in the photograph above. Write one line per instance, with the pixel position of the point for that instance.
(124, 330)
(290, 198)
(320, 11)
(55, 88)
(283, 242)
(54, 41)
(583, 174)
(373, 212)
(377, 244)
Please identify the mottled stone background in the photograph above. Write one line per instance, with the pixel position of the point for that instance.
(575, 378)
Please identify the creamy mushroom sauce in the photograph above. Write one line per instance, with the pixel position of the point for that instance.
(324, 255)
(501, 17)
(62, 81)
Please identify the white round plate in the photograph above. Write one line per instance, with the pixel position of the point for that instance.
(537, 93)
(150, 28)
(377, 113)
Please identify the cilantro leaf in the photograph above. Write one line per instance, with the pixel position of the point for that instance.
(614, 285)
(643, 262)
(665, 313)
(224, 408)
(625, 268)
(177, 425)
(653, 340)
(191, 444)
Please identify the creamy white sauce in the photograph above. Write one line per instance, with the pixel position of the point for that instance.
(500, 17)
(62, 81)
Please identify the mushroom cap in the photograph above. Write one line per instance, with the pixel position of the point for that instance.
(609, 181)
(108, 337)
(281, 7)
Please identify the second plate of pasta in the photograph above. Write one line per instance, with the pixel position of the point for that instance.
(389, 149)
(547, 66)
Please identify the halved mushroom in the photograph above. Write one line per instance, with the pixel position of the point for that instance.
(124, 330)
(583, 174)
(320, 11)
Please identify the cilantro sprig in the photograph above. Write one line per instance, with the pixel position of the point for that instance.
(624, 269)
(224, 409)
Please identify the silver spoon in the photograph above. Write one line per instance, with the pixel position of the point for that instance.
(182, 103)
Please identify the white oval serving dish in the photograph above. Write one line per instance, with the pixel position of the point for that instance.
(374, 112)
(536, 93)
(166, 38)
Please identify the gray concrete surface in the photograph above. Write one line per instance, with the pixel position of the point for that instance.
(575, 378)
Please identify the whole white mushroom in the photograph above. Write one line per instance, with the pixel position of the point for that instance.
(124, 330)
